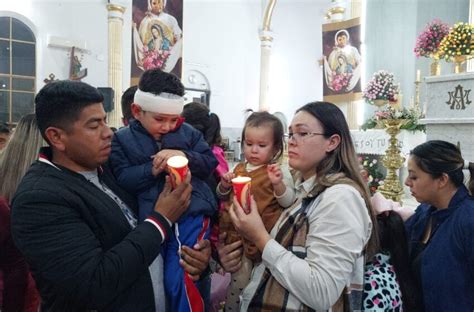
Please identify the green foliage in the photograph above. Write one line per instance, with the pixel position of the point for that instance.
(370, 172)
(412, 115)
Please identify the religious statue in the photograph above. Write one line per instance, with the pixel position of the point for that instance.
(342, 68)
(158, 40)
(75, 67)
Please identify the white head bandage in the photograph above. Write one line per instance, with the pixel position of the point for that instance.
(466, 164)
(164, 103)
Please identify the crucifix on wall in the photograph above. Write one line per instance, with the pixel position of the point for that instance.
(75, 71)
(52, 78)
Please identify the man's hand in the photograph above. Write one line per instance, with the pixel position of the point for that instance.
(195, 261)
(172, 204)
(230, 256)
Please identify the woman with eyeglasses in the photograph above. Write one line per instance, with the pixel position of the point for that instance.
(314, 254)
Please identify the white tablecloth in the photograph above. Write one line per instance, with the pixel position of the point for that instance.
(376, 141)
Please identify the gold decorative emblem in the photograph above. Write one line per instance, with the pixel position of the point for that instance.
(459, 98)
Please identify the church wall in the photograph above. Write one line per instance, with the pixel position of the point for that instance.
(222, 41)
(391, 30)
(74, 20)
(298, 47)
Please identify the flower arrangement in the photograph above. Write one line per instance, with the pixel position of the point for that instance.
(370, 172)
(457, 42)
(154, 59)
(428, 41)
(381, 87)
(340, 81)
(412, 115)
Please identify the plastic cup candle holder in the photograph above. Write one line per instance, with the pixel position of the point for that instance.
(242, 191)
(178, 167)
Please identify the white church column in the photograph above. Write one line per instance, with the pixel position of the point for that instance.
(353, 106)
(115, 22)
(266, 39)
(265, 54)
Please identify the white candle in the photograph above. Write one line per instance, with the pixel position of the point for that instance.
(240, 180)
(418, 75)
(398, 105)
(177, 161)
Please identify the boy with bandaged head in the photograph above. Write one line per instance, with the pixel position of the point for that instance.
(138, 159)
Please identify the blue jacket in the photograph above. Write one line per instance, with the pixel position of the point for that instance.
(132, 165)
(447, 262)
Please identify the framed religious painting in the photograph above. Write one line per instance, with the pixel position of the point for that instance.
(157, 32)
(342, 61)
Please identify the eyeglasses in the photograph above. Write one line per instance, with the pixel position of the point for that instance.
(300, 136)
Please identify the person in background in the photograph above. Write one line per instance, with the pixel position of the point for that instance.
(389, 281)
(19, 289)
(441, 232)
(4, 135)
(199, 116)
(314, 254)
(73, 223)
(139, 156)
(126, 102)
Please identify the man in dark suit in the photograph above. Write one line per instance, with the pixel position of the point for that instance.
(77, 228)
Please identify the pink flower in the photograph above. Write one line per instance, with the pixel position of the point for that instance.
(340, 81)
(382, 114)
(381, 86)
(154, 59)
(429, 39)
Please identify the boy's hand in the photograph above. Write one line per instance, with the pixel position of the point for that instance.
(275, 174)
(160, 159)
(159, 165)
(167, 153)
(226, 181)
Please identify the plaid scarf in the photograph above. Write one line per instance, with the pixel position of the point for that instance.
(270, 295)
